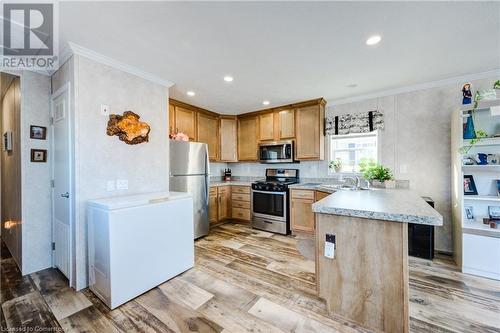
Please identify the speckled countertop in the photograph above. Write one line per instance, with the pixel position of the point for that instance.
(399, 205)
(233, 182)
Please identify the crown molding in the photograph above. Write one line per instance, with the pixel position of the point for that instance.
(75, 49)
(417, 87)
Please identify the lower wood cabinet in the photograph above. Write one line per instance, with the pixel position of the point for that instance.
(219, 203)
(224, 204)
(212, 205)
(301, 214)
(240, 201)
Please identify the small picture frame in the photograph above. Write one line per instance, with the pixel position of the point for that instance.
(38, 155)
(7, 141)
(469, 213)
(38, 132)
(469, 185)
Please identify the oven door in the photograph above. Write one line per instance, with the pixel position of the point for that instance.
(269, 205)
(276, 153)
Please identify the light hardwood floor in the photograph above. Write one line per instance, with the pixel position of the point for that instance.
(244, 280)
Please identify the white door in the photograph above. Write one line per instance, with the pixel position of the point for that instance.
(62, 191)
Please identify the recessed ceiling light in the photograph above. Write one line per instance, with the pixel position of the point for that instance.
(375, 39)
(190, 93)
(352, 85)
(228, 78)
(265, 102)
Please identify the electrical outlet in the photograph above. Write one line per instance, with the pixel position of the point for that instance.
(104, 110)
(122, 184)
(330, 246)
(110, 186)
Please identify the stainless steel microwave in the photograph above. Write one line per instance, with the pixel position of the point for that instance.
(276, 152)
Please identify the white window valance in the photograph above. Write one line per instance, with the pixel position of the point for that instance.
(363, 122)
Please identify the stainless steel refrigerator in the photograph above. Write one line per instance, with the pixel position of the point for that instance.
(189, 172)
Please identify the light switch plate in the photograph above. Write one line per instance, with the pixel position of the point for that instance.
(110, 186)
(403, 168)
(104, 110)
(122, 184)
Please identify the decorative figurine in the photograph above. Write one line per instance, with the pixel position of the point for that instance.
(467, 94)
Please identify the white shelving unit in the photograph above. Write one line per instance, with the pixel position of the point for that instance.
(476, 245)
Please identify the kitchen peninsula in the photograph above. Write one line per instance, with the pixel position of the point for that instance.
(367, 278)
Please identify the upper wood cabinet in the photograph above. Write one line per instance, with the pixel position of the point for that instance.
(247, 138)
(208, 132)
(185, 122)
(171, 119)
(310, 140)
(266, 126)
(286, 121)
(228, 150)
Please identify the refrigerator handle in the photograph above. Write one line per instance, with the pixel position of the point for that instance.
(207, 175)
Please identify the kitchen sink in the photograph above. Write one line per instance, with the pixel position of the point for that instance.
(347, 188)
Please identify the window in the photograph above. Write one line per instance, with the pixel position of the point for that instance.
(352, 149)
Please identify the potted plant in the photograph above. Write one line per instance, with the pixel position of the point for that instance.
(379, 175)
(336, 165)
(496, 85)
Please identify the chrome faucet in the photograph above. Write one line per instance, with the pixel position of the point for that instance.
(356, 180)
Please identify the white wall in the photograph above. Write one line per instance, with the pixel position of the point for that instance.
(417, 135)
(36, 190)
(99, 157)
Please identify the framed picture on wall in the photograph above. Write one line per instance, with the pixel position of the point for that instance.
(38, 132)
(38, 155)
(7, 141)
(469, 185)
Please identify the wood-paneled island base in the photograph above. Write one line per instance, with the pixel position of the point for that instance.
(367, 280)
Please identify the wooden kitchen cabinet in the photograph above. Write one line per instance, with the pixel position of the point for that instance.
(171, 119)
(310, 140)
(286, 124)
(228, 129)
(224, 202)
(301, 214)
(208, 132)
(240, 203)
(219, 204)
(185, 122)
(266, 126)
(212, 205)
(321, 195)
(247, 138)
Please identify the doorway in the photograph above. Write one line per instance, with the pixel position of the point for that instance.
(10, 164)
(62, 184)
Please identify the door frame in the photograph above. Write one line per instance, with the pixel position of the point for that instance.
(63, 89)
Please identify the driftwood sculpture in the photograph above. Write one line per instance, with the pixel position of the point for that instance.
(128, 128)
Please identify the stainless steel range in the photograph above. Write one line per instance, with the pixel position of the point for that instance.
(270, 200)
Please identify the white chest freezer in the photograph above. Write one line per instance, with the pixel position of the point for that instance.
(138, 242)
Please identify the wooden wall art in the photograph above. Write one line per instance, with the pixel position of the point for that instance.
(128, 128)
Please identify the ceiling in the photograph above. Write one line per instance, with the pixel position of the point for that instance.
(286, 52)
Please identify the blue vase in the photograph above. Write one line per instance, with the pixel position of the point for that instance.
(469, 132)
